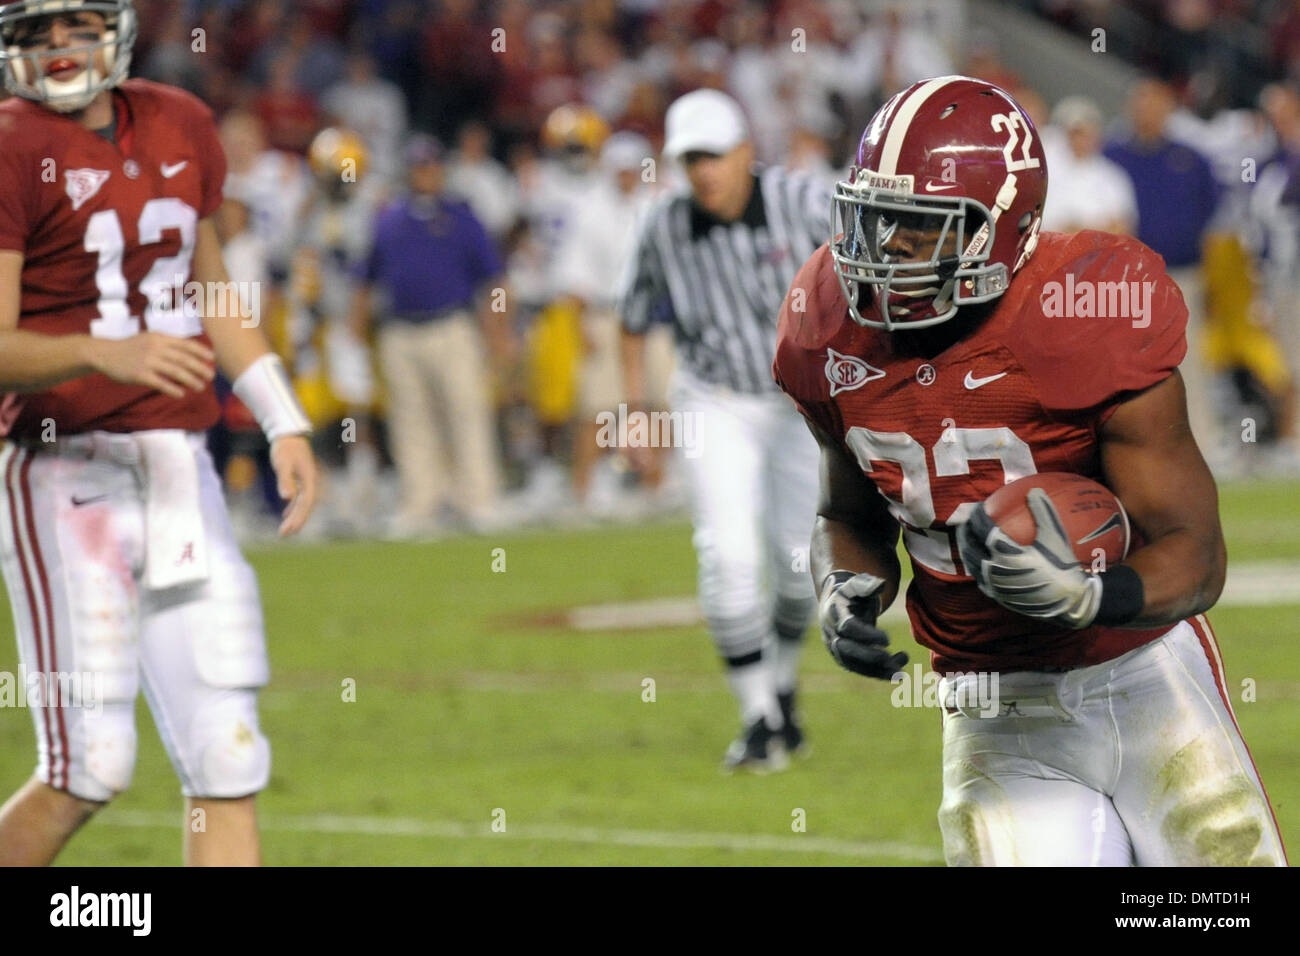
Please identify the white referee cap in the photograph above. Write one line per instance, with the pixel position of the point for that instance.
(706, 121)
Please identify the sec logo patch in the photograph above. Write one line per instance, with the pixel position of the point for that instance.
(846, 372)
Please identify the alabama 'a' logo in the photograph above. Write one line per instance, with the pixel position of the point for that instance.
(845, 372)
(82, 184)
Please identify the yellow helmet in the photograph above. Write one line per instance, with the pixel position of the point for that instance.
(338, 155)
(574, 127)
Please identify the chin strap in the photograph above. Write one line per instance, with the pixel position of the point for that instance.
(1031, 243)
(75, 98)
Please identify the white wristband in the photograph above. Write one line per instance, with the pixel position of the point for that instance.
(264, 387)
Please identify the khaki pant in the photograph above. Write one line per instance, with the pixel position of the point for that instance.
(600, 385)
(440, 416)
(660, 361)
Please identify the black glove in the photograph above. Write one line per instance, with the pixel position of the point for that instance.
(848, 613)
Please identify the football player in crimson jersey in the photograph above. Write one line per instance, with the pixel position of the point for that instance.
(940, 345)
(116, 547)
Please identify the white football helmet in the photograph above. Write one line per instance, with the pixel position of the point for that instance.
(24, 25)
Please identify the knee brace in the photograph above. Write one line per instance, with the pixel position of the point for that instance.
(103, 759)
(231, 756)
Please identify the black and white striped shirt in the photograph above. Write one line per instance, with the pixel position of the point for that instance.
(723, 283)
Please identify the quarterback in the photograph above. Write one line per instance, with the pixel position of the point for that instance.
(114, 539)
(926, 348)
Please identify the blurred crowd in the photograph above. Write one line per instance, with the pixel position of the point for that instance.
(436, 197)
(1219, 52)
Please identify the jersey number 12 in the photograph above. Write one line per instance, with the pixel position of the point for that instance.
(163, 287)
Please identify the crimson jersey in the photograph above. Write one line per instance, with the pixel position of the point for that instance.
(107, 232)
(1025, 393)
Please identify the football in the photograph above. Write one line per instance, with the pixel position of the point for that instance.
(1094, 518)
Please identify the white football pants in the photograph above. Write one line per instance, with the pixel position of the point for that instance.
(1134, 762)
(72, 544)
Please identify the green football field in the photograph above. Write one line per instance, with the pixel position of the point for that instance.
(493, 726)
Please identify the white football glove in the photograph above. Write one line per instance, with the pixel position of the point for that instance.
(1041, 580)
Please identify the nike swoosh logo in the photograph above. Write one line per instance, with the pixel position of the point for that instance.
(78, 502)
(1114, 521)
(973, 382)
(930, 187)
(170, 170)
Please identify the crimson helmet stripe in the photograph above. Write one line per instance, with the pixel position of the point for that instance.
(902, 121)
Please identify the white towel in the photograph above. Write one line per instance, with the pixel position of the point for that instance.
(176, 551)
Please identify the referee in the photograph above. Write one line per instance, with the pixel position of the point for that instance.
(719, 261)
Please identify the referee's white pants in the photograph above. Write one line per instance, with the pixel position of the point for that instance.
(751, 468)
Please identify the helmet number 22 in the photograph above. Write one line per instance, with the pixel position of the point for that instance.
(1011, 122)
(952, 455)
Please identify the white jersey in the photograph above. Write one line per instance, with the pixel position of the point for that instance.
(1088, 193)
(598, 242)
(339, 234)
(490, 191)
(552, 205)
(245, 256)
(335, 237)
(275, 190)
